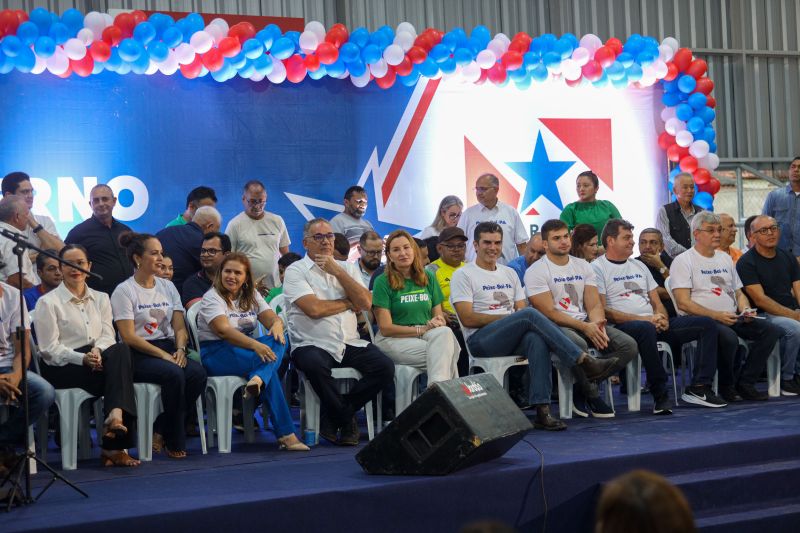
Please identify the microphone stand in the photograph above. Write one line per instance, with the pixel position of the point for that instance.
(23, 465)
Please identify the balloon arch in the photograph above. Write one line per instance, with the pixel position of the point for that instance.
(134, 42)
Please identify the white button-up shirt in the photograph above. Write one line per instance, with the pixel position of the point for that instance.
(64, 322)
(9, 259)
(514, 231)
(331, 333)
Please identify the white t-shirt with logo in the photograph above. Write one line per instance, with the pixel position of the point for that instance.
(713, 281)
(492, 292)
(626, 286)
(213, 305)
(150, 309)
(566, 283)
(507, 217)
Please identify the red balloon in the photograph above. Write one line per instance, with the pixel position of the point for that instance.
(213, 60)
(497, 74)
(67, 73)
(337, 36)
(100, 51)
(511, 60)
(523, 37)
(404, 68)
(605, 56)
(705, 86)
(688, 163)
(388, 80)
(112, 35)
(592, 70)
(665, 140)
(82, 67)
(193, 69)
(711, 186)
(138, 16)
(574, 83)
(328, 53)
(242, 31)
(229, 46)
(417, 54)
(8, 22)
(483, 78)
(701, 176)
(615, 44)
(697, 68)
(312, 62)
(425, 42)
(675, 153)
(711, 102)
(125, 22)
(672, 72)
(682, 59)
(22, 16)
(295, 69)
(518, 47)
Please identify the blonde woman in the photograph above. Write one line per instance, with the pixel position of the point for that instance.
(447, 216)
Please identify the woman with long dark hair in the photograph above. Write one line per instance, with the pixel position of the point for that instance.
(584, 242)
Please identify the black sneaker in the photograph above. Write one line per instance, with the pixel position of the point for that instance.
(729, 394)
(663, 405)
(749, 392)
(599, 408)
(579, 404)
(702, 395)
(789, 387)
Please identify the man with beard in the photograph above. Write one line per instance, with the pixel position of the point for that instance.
(370, 248)
(351, 221)
(214, 248)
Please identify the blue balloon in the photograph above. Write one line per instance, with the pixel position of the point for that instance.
(293, 36)
(337, 68)
(634, 45)
(185, 28)
(238, 61)
(158, 51)
(247, 70)
(540, 73)
(357, 68)
(371, 54)
(114, 60)
(709, 134)
(684, 112)
(626, 59)
(670, 86)
(98, 67)
(12, 45)
(318, 74)
(124, 68)
(349, 52)
(549, 41)
(253, 48)
(704, 200)
(411, 79)
(72, 19)
(449, 41)
(195, 21)
(551, 60)
(570, 37)
(712, 147)
(670, 99)
(25, 61)
(602, 82)
(172, 36)
(59, 32)
(6, 64)
(615, 71)
(379, 39)
(695, 124)
(687, 83)
(538, 46)
(697, 100)
(563, 47)
(683, 97)
(482, 35)
(463, 56)
(129, 50)
(524, 83)
(44, 47)
(41, 17)
(428, 68)
(144, 32)
(634, 72)
(707, 114)
(263, 64)
(620, 83)
(674, 172)
(141, 63)
(266, 37)
(516, 75)
(360, 37)
(438, 53)
(646, 58)
(282, 48)
(28, 32)
(448, 66)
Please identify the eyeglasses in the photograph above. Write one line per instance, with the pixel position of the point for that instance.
(374, 253)
(461, 246)
(483, 189)
(321, 237)
(712, 231)
(209, 251)
(254, 202)
(359, 201)
(454, 216)
(767, 230)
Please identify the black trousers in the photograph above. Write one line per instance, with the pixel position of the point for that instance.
(180, 388)
(376, 369)
(764, 336)
(114, 383)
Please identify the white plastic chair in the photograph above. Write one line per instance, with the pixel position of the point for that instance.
(148, 407)
(566, 382)
(665, 349)
(219, 398)
(73, 424)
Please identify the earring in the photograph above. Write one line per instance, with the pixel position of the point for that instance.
(137, 266)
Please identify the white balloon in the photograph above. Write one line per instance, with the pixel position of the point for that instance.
(109, 20)
(665, 52)
(58, 63)
(406, 27)
(75, 49)
(308, 41)
(257, 76)
(40, 66)
(667, 113)
(699, 149)
(201, 42)
(216, 32)
(360, 81)
(184, 53)
(674, 125)
(455, 75)
(648, 76)
(471, 72)
(672, 42)
(86, 36)
(317, 29)
(591, 42)
(570, 69)
(222, 23)
(660, 69)
(404, 40)
(497, 47)
(152, 68)
(503, 38)
(713, 161)
(95, 22)
(170, 65)
(486, 59)
(379, 69)
(684, 138)
(393, 55)
(581, 56)
(278, 73)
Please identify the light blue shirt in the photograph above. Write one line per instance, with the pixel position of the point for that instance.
(782, 205)
(520, 266)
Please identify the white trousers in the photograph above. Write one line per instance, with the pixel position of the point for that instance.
(436, 352)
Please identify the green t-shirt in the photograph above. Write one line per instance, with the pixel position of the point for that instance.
(596, 213)
(179, 221)
(410, 306)
(273, 292)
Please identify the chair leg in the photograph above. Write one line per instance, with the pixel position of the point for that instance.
(201, 424)
(224, 423)
(634, 381)
(248, 411)
(774, 372)
(211, 405)
(69, 416)
(565, 383)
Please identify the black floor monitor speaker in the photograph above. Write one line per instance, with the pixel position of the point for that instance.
(452, 425)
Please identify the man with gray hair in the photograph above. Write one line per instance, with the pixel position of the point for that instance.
(183, 242)
(323, 297)
(705, 283)
(657, 261)
(490, 209)
(674, 218)
(14, 218)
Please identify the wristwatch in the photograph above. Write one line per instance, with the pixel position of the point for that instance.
(38, 228)
(662, 270)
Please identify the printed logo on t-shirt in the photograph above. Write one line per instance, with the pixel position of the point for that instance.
(632, 288)
(572, 294)
(246, 325)
(721, 285)
(414, 298)
(157, 316)
(503, 301)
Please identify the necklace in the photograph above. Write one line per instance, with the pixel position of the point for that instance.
(144, 285)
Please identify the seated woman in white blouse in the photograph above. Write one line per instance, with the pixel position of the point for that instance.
(149, 317)
(228, 317)
(78, 350)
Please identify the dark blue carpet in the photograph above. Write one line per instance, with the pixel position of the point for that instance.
(743, 460)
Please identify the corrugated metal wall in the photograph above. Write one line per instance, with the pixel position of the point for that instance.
(752, 46)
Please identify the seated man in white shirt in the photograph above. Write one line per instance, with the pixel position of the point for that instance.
(14, 213)
(630, 297)
(490, 302)
(564, 289)
(323, 296)
(705, 283)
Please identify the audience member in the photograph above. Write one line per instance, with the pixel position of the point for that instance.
(747, 234)
(341, 247)
(323, 295)
(13, 217)
(167, 268)
(771, 279)
(564, 289)
(40, 230)
(183, 242)
(370, 250)
(228, 318)
(657, 261)
(259, 234)
(447, 216)
(78, 349)
(490, 303)
(728, 237)
(674, 218)
(50, 275)
(782, 205)
(533, 252)
(422, 246)
(213, 250)
(351, 222)
(705, 283)
(585, 242)
(490, 209)
(149, 316)
(100, 235)
(643, 501)
(283, 263)
(588, 209)
(198, 197)
(630, 297)
(407, 303)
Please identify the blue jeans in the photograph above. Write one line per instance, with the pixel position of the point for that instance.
(41, 396)
(790, 344)
(223, 359)
(527, 332)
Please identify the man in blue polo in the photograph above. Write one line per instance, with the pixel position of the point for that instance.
(784, 206)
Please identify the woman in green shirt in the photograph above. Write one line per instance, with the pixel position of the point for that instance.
(588, 209)
(407, 303)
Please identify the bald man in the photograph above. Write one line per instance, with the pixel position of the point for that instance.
(534, 251)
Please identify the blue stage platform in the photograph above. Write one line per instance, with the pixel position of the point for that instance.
(739, 467)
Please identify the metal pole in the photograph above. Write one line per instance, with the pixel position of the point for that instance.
(740, 201)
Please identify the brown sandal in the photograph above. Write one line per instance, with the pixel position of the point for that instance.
(113, 429)
(158, 443)
(120, 458)
(179, 454)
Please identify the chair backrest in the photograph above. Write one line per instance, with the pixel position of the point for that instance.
(668, 286)
(279, 301)
(369, 326)
(191, 325)
(461, 327)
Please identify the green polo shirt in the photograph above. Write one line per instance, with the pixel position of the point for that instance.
(411, 305)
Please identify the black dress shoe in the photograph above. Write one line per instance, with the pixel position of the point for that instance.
(350, 433)
(748, 392)
(548, 423)
(729, 394)
(328, 430)
(599, 369)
